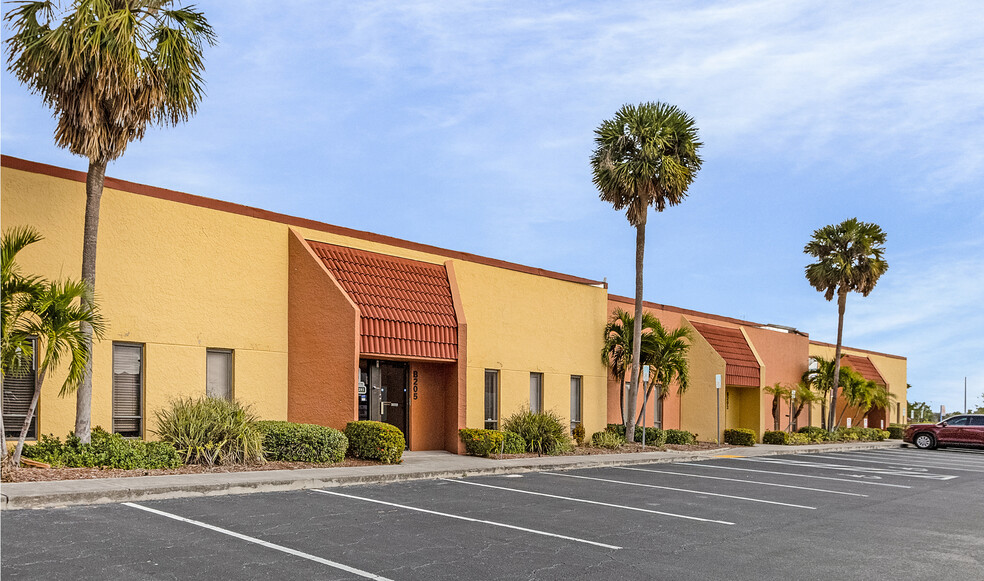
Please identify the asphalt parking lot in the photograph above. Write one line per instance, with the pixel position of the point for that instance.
(902, 513)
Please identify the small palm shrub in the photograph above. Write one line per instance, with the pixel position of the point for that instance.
(606, 439)
(104, 450)
(654, 436)
(815, 433)
(211, 431)
(680, 437)
(543, 432)
(617, 429)
(514, 443)
(482, 442)
(375, 441)
(740, 437)
(290, 442)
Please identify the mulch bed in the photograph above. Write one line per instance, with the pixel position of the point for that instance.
(46, 474)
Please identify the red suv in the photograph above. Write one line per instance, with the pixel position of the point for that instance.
(963, 430)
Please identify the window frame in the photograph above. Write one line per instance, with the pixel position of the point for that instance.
(539, 391)
(492, 420)
(579, 408)
(232, 370)
(141, 390)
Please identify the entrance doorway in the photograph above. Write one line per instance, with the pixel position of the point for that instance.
(383, 393)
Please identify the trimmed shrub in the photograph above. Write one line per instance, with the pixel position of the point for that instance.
(896, 431)
(290, 442)
(578, 433)
(815, 433)
(606, 439)
(654, 436)
(375, 441)
(680, 437)
(105, 450)
(543, 432)
(617, 429)
(795, 439)
(740, 437)
(482, 442)
(211, 431)
(859, 435)
(775, 438)
(514, 443)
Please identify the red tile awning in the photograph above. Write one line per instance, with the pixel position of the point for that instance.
(741, 367)
(406, 306)
(863, 366)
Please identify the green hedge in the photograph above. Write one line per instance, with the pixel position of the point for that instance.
(607, 439)
(859, 435)
(290, 442)
(740, 437)
(795, 439)
(815, 433)
(654, 436)
(482, 442)
(211, 430)
(775, 438)
(617, 429)
(896, 431)
(105, 450)
(375, 441)
(680, 437)
(515, 444)
(543, 432)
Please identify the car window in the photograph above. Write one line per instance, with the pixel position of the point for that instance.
(957, 421)
(977, 421)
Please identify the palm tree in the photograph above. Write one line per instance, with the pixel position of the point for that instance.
(17, 291)
(647, 155)
(850, 257)
(665, 352)
(857, 391)
(108, 69)
(778, 393)
(804, 397)
(56, 317)
(820, 377)
(616, 352)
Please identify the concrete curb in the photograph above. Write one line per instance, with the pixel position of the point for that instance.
(28, 495)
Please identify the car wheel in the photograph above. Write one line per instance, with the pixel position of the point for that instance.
(924, 441)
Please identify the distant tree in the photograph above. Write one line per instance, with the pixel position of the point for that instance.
(850, 257)
(919, 410)
(647, 155)
(108, 69)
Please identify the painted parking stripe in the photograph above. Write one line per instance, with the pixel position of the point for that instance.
(928, 459)
(931, 456)
(457, 481)
(742, 481)
(847, 468)
(469, 519)
(916, 467)
(262, 543)
(793, 474)
(681, 490)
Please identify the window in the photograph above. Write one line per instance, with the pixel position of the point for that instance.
(536, 392)
(491, 399)
(218, 373)
(575, 401)
(957, 421)
(128, 390)
(17, 394)
(657, 411)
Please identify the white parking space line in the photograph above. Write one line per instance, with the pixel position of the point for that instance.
(262, 543)
(469, 519)
(935, 456)
(456, 481)
(918, 467)
(923, 460)
(626, 483)
(848, 468)
(795, 475)
(742, 481)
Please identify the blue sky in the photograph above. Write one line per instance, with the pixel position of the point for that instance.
(469, 126)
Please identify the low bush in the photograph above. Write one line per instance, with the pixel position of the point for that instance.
(654, 436)
(859, 435)
(896, 431)
(617, 429)
(375, 441)
(578, 433)
(290, 442)
(680, 437)
(815, 433)
(740, 437)
(211, 431)
(606, 439)
(514, 443)
(482, 442)
(795, 439)
(104, 450)
(775, 438)
(543, 432)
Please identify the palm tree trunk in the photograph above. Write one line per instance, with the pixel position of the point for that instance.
(835, 380)
(3, 430)
(27, 420)
(94, 181)
(621, 397)
(636, 333)
(649, 392)
(823, 412)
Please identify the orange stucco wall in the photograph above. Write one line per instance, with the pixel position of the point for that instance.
(429, 386)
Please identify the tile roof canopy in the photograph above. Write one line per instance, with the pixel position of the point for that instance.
(742, 369)
(864, 366)
(406, 306)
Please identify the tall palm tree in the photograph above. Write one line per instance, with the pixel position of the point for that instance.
(616, 351)
(665, 352)
(57, 314)
(647, 155)
(108, 69)
(17, 291)
(850, 257)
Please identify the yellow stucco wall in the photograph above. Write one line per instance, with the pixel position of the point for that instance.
(698, 411)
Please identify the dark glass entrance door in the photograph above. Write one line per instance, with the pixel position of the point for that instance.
(383, 393)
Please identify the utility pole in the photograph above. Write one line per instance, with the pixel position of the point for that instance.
(966, 411)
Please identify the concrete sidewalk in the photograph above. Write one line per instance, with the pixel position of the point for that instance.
(415, 466)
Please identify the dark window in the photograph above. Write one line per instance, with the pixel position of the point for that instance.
(128, 390)
(536, 392)
(576, 401)
(957, 421)
(491, 399)
(976, 421)
(218, 373)
(18, 390)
